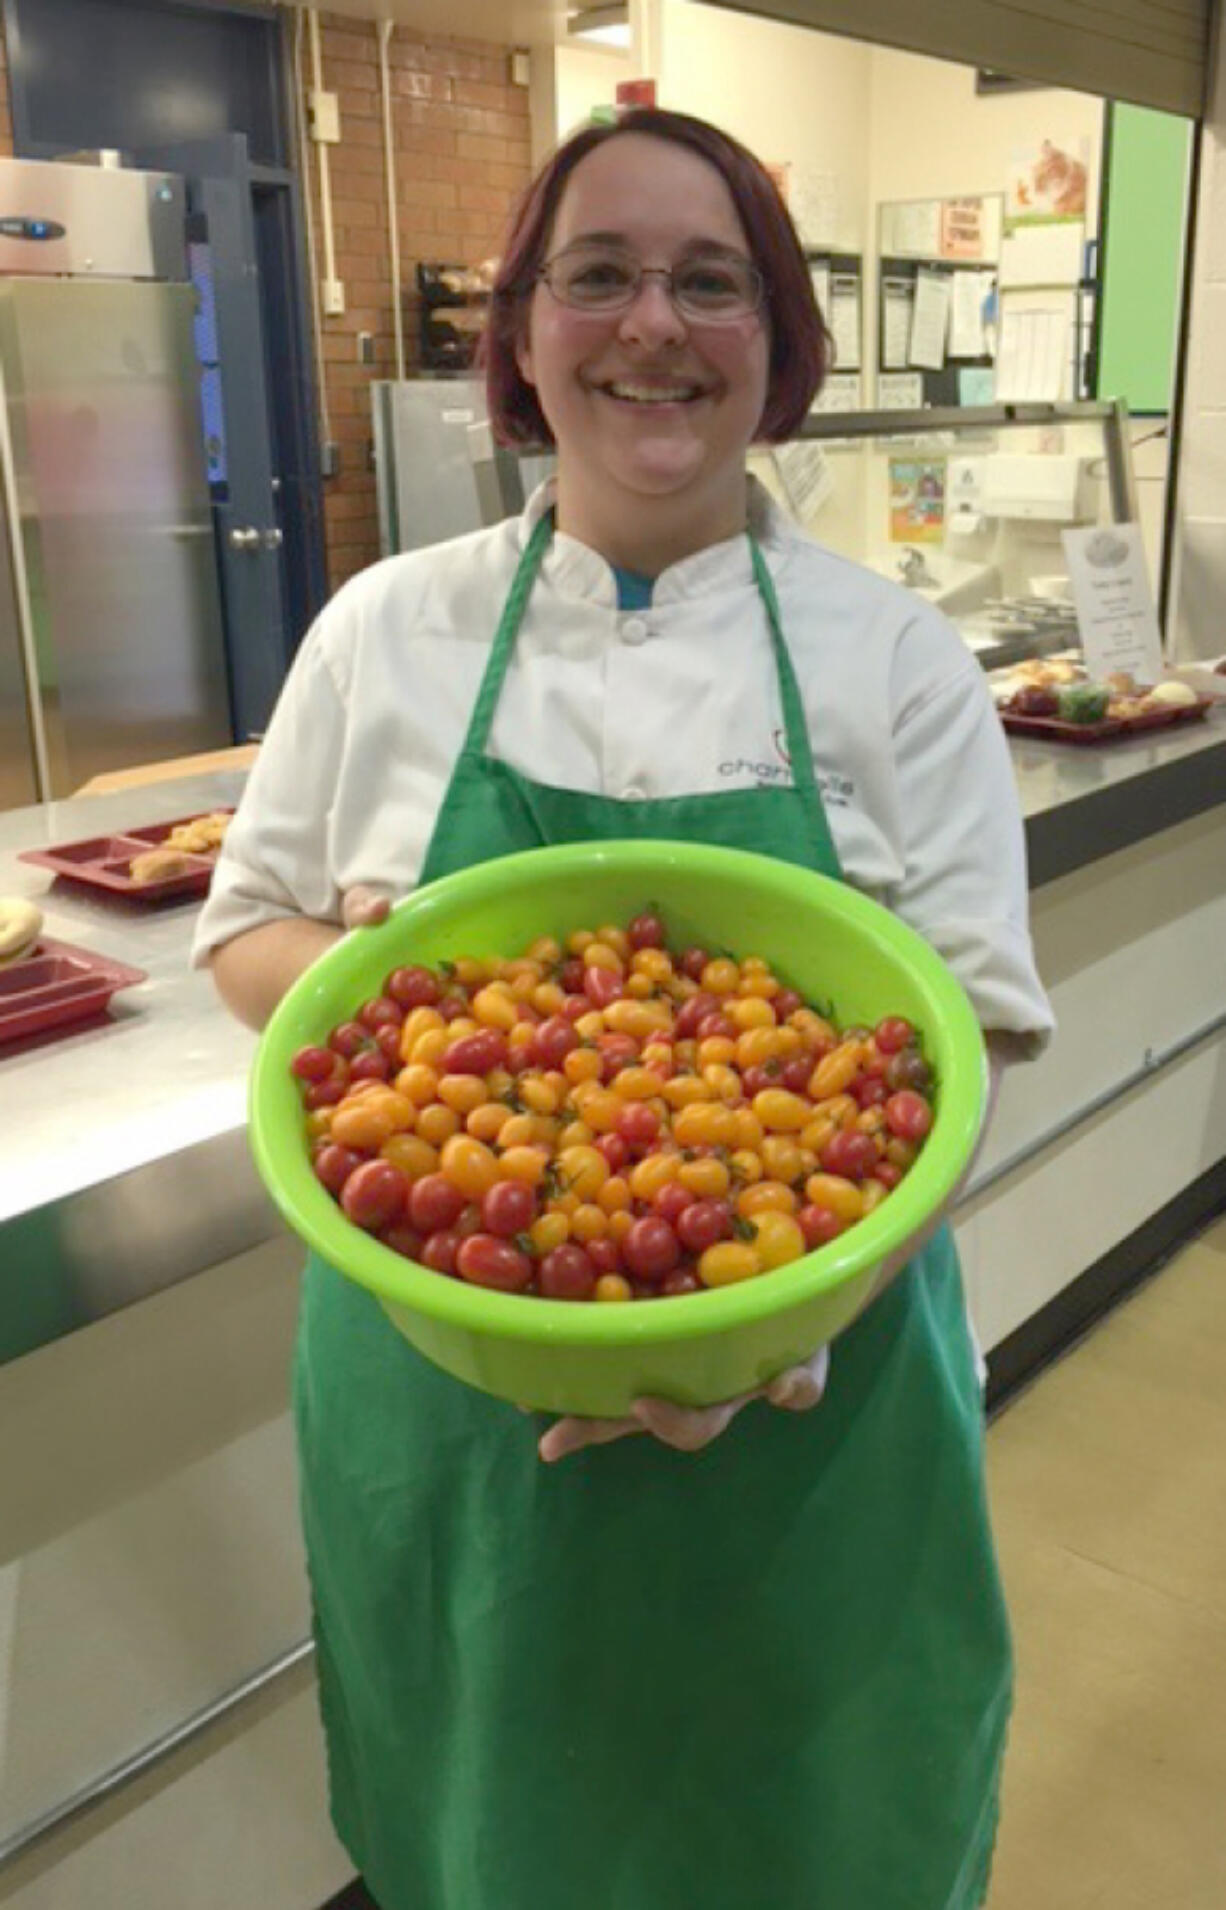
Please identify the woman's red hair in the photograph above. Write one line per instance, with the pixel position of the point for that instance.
(799, 340)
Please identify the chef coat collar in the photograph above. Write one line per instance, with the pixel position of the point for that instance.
(576, 570)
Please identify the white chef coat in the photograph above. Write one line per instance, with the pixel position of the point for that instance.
(677, 699)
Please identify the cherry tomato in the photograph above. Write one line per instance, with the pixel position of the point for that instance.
(508, 1208)
(651, 1248)
(388, 1039)
(893, 1033)
(869, 1090)
(604, 1254)
(412, 987)
(786, 1002)
(716, 1024)
(382, 1012)
(435, 1203)
(570, 975)
(693, 1011)
(451, 1007)
(371, 1065)
(402, 1239)
(440, 1250)
(313, 1064)
(569, 1273)
(646, 931)
(794, 1074)
(765, 1074)
(614, 1149)
(333, 1165)
(553, 1041)
(693, 961)
(616, 1052)
(375, 1195)
(573, 1006)
(638, 1125)
(326, 1094)
(818, 1225)
(908, 1069)
(908, 1115)
(487, 1261)
(350, 1038)
(888, 1173)
(850, 1154)
(602, 986)
(681, 1280)
(700, 1225)
(478, 1054)
(671, 1201)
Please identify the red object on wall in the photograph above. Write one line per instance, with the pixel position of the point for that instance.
(635, 93)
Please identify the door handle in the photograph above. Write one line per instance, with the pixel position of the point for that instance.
(245, 537)
(273, 539)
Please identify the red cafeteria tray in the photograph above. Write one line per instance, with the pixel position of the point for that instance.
(1108, 731)
(103, 862)
(57, 983)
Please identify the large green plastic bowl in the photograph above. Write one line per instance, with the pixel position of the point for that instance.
(566, 1357)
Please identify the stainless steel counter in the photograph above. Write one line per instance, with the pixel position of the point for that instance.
(124, 1166)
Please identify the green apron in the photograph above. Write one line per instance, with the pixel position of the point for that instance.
(773, 1675)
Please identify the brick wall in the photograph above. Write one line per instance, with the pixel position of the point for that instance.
(461, 143)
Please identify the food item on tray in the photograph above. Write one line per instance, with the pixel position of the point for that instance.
(199, 837)
(1083, 702)
(610, 1120)
(159, 865)
(21, 924)
(1170, 695)
(1034, 699)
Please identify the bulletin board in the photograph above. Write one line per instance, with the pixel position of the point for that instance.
(922, 243)
(1143, 242)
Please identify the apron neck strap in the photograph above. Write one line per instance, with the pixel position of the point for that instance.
(795, 728)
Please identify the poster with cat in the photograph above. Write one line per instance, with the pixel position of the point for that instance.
(1047, 184)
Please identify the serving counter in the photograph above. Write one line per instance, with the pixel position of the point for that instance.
(125, 1168)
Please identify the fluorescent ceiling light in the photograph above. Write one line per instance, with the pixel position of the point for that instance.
(604, 26)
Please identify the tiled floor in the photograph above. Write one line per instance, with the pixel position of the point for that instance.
(1108, 1481)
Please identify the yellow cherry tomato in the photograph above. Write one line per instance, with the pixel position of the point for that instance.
(463, 1092)
(728, 1261)
(494, 1007)
(600, 955)
(707, 1178)
(704, 1124)
(613, 1196)
(411, 1155)
(361, 1124)
(836, 1070)
(582, 1171)
(721, 976)
(766, 1194)
(469, 1164)
(588, 1222)
(636, 1084)
(782, 1159)
(781, 1112)
(777, 1238)
(680, 1090)
(652, 1173)
(749, 1011)
(419, 1083)
(537, 1095)
(523, 1163)
(745, 1165)
(612, 1286)
(485, 1123)
(549, 1231)
(839, 1196)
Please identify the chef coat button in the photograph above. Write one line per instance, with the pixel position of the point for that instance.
(634, 630)
(634, 793)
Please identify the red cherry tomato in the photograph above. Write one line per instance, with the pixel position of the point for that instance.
(870, 1090)
(908, 1115)
(451, 1007)
(440, 1250)
(570, 976)
(567, 1273)
(382, 1012)
(575, 1005)
(893, 1033)
(651, 1248)
(672, 1201)
(681, 1280)
(333, 1165)
(477, 1054)
(888, 1173)
(508, 1208)
(818, 1225)
(908, 1069)
(402, 1239)
(435, 1203)
(714, 1026)
(616, 1052)
(412, 987)
(326, 1094)
(786, 1002)
(693, 961)
(764, 1074)
(646, 931)
(602, 986)
(614, 1150)
(371, 1065)
(553, 1041)
(638, 1124)
(313, 1064)
(604, 1254)
(350, 1039)
(487, 1261)
(703, 1223)
(696, 1009)
(375, 1195)
(388, 1038)
(795, 1074)
(850, 1154)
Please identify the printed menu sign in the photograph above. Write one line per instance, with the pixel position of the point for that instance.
(1115, 610)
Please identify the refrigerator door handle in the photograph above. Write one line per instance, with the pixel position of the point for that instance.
(21, 592)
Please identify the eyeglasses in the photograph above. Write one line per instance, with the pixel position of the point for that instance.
(712, 288)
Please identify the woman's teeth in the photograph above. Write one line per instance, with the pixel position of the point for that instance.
(653, 394)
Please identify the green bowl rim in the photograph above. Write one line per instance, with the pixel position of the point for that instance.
(314, 1215)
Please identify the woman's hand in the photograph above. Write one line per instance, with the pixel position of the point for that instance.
(364, 906)
(689, 1428)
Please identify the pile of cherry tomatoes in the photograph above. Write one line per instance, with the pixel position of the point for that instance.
(609, 1119)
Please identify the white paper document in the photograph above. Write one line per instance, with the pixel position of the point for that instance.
(1116, 619)
(819, 275)
(843, 318)
(966, 334)
(1043, 254)
(1035, 357)
(911, 229)
(930, 320)
(804, 473)
(896, 299)
(900, 391)
(841, 392)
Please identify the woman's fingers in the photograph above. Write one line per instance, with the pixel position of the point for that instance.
(572, 1435)
(686, 1428)
(363, 906)
(800, 1387)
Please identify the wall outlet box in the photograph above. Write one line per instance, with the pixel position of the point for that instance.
(519, 66)
(325, 112)
(334, 298)
(366, 348)
(330, 459)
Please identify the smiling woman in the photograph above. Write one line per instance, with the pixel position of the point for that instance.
(753, 1653)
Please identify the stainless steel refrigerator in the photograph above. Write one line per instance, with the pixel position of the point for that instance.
(111, 643)
(438, 472)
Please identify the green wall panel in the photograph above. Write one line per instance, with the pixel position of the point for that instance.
(1143, 256)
